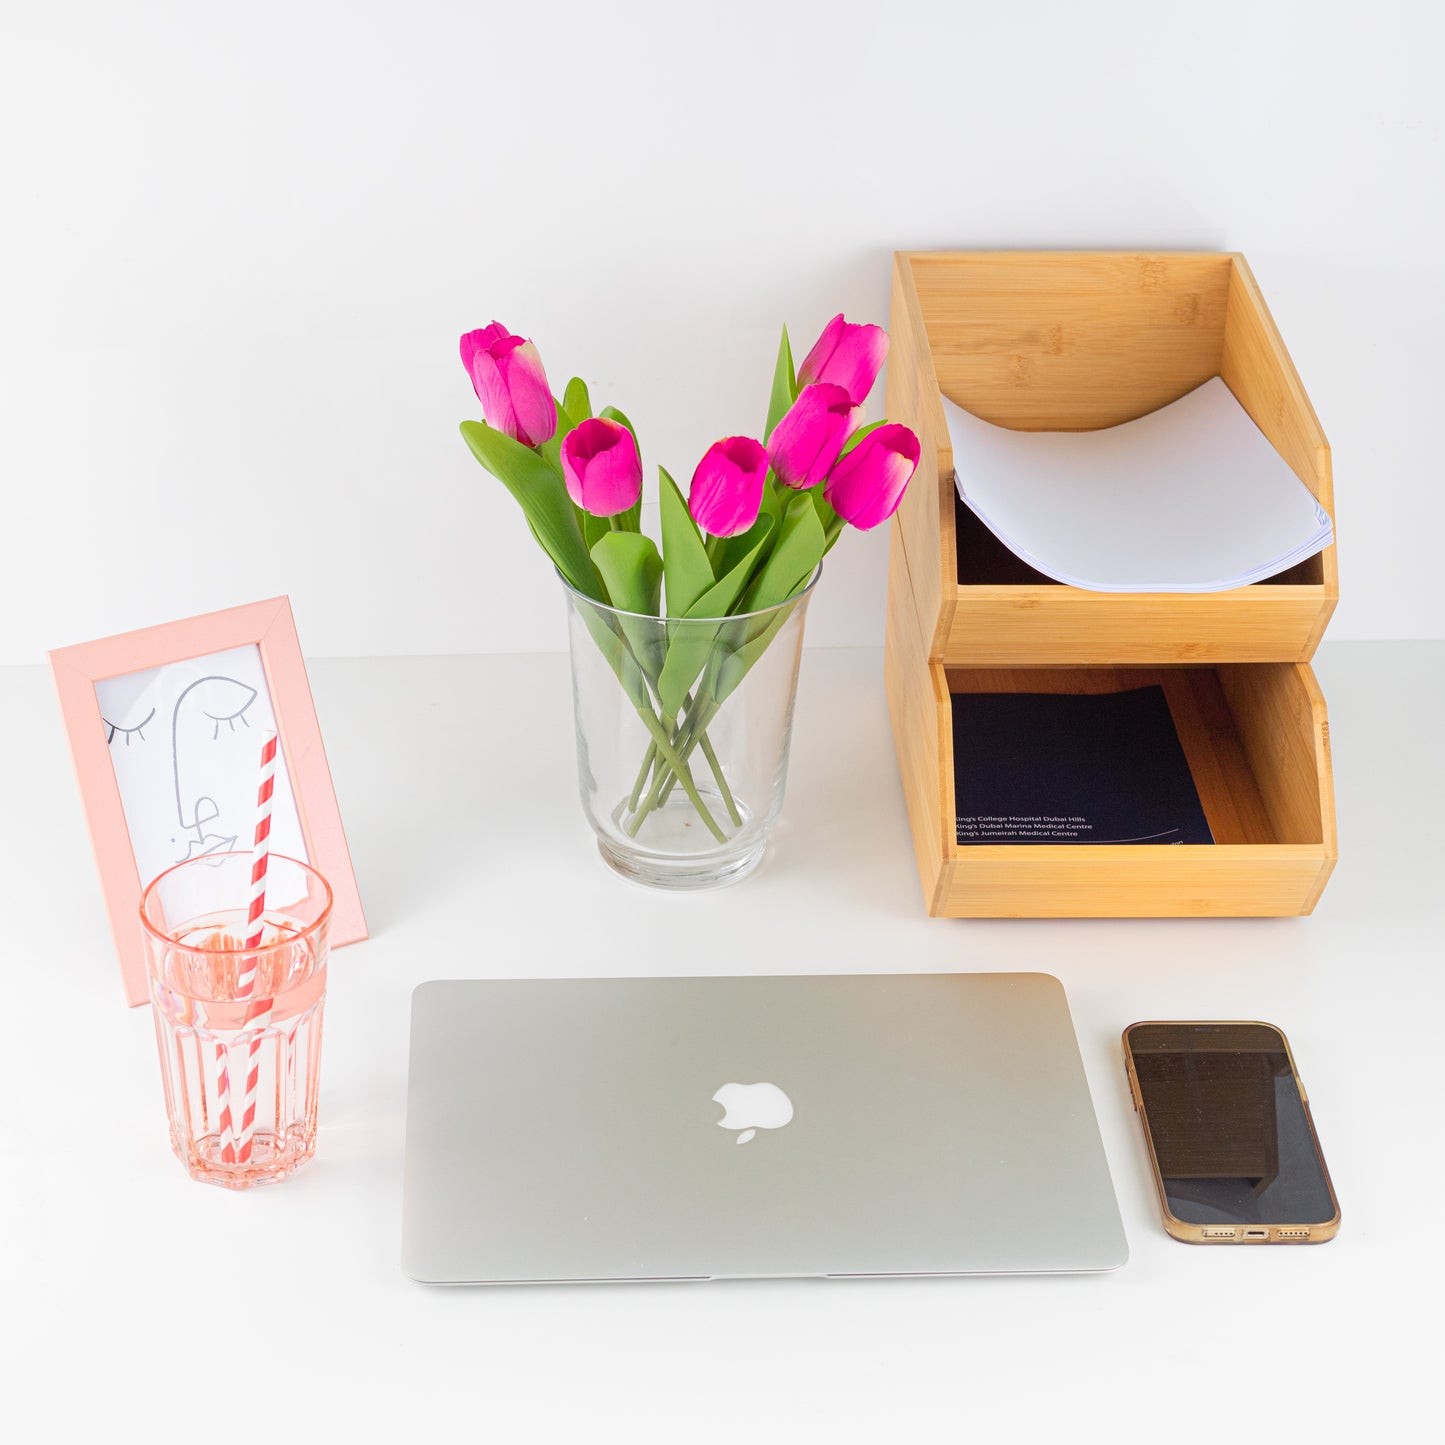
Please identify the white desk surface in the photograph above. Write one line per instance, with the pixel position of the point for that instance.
(131, 1296)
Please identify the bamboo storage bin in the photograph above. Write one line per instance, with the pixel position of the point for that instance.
(1040, 340)
(1073, 341)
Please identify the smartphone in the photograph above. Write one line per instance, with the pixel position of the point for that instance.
(1235, 1156)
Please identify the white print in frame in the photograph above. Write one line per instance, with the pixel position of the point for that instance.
(165, 729)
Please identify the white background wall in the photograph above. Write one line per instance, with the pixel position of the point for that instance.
(241, 243)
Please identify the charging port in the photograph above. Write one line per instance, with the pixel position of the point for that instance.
(1256, 1234)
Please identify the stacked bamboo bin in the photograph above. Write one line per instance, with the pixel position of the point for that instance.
(1075, 341)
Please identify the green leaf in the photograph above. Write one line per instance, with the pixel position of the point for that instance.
(827, 517)
(688, 652)
(552, 448)
(733, 666)
(631, 568)
(591, 527)
(795, 556)
(579, 404)
(684, 558)
(770, 515)
(720, 599)
(691, 643)
(772, 503)
(594, 529)
(543, 499)
(785, 385)
(860, 434)
(617, 652)
(801, 540)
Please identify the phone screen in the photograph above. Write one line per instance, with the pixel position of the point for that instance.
(1231, 1135)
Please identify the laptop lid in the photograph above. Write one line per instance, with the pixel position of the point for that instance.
(704, 1128)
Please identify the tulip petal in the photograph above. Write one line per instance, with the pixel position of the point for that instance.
(601, 467)
(531, 397)
(806, 442)
(846, 355)
(507, 374)
(812, 368)
(867, 485)
(475, 341)
(491, 389)
(727, 487)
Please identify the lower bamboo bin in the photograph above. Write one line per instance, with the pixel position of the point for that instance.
(1257, 742)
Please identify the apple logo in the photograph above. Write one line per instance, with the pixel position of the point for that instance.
(751, 1107)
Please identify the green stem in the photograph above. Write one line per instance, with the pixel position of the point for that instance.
(695, 720)
(680, 772)
(692, 736)
(663, 782)
(647, 761)
(669, 783)
(722, 782)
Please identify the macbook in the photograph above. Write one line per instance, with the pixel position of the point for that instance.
(715, 1128)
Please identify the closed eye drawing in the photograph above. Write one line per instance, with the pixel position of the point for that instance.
(114, 730)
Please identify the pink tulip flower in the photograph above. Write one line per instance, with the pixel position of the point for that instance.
(866, 487)
(601, 467)
(727, 487)
(806, 442)
(510, 383)
(848, 355)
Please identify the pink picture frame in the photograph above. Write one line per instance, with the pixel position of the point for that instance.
(270, 627)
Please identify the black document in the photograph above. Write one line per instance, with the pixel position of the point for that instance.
(1072, 768)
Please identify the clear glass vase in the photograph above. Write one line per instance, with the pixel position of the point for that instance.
(682, 736)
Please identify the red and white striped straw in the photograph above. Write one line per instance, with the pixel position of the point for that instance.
(258, 1010)
(260, 858)
(223, 1104)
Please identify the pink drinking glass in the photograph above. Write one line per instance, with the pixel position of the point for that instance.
(240, 1072)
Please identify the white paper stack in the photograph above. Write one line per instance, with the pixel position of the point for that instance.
(1191, 498)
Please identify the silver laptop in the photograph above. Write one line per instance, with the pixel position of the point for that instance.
(714, 1128)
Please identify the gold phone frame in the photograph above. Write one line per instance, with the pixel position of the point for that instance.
(1310, 1232)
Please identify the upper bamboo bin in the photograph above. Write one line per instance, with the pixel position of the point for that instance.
(1077, 340)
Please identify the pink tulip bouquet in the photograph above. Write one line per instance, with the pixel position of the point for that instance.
(759, 517)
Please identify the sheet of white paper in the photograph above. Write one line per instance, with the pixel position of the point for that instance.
(1191, 498)
(185, 743)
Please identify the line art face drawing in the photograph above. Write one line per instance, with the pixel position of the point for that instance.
(213, 700)
(196, 797)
